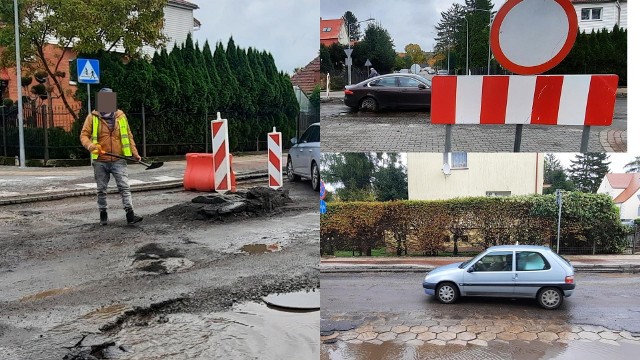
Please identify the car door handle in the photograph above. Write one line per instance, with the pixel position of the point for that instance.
(515, 276)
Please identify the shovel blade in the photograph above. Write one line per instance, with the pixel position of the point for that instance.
(155, 165)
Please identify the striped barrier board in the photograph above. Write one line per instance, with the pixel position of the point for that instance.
(585, 100)
(221, 166)
(274, 141)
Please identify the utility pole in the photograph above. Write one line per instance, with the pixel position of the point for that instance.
(19, 85)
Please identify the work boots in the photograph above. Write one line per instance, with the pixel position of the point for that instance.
(104, 218)
(132, 218)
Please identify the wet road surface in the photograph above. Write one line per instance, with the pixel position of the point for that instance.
(387, 316)
(63, 277)
(609, 300)
(412, 131)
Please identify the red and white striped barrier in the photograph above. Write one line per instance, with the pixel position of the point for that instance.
(586, 100)
(274, 142)
(221, 166)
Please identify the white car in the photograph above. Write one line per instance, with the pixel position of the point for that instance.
(304, 157)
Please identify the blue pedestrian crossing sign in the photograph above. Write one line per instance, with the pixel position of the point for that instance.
(323, 207)
(88, 71)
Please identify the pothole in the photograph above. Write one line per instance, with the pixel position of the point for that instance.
(152, 258)
(296, 301)
(260, 248)
(46, 294)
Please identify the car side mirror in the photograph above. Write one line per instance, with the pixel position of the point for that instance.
(294, 141)
(471, 269)
(422, 86)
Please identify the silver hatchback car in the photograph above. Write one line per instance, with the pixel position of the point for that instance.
(304, 157)
(537, 272)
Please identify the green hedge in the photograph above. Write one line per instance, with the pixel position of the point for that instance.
(424, 226)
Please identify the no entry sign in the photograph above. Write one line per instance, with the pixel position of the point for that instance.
(532, 36)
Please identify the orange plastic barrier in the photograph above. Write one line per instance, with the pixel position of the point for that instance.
(233, 175)
(198, 175)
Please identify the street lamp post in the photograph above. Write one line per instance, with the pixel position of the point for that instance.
(489, 59)
(349, 44)
(467, 21)
(19, 85)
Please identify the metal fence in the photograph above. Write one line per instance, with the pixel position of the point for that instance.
(55, 135)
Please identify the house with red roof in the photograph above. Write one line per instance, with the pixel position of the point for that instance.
(625, 191)
(333, 31)
(178, 23)
(308, 77)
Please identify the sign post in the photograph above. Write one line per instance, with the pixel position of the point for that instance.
(349, 62)
(88, 73)
(559, 202)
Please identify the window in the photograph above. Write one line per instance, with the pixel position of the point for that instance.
(456, 160)
(408, 82)
(591, 14)
(498, 193)
(306, 136)
(495, 261)
(327, 29)
(314, 137)
(531, 261)
(73, 73)
(385, 82)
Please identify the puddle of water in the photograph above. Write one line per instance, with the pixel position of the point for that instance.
(45, 294)
(250, 331)
(299, 300)
(106, 312)
(495, 351)
(260, 248)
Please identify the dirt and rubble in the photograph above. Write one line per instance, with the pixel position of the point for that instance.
(64, 277)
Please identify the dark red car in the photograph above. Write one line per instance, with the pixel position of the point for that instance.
(400, 91)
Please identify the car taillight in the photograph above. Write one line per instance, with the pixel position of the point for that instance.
(348, 92)
(568, 279)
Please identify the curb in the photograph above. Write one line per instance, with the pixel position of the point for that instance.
(605, 269)
(158, 185)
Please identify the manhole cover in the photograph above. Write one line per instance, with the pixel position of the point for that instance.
(300, 300)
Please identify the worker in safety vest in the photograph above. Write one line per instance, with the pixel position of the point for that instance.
(106, 130)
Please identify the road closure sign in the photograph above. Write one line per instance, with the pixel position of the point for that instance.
(532, 36)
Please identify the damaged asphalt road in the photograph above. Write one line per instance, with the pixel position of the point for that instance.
(63, 277)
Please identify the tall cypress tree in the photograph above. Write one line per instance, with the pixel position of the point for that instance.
(588, 170)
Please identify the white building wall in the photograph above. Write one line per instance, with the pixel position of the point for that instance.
(605, 188)
(519, 173)
(629, 209)
(178, 23)
(609, 16)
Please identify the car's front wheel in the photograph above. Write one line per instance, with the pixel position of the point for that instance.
(315, 177)
(447, 293)
(290, 174)
(369, 104)
(550, 298)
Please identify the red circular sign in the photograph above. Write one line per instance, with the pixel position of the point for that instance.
(532, 36)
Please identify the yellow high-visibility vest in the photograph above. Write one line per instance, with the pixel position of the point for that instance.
(124, 135)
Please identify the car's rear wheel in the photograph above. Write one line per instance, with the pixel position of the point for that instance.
(447, 293)
(550, 298)
(290, 175)
(315, 176)
(369, 104)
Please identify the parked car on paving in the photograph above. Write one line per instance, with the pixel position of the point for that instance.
(304, 157)
(443, 72)
(537, 272)
(389, 91)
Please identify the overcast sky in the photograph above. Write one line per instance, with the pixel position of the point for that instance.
(289, 30)
(408, 21)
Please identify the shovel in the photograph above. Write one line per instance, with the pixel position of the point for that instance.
(151, 166)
